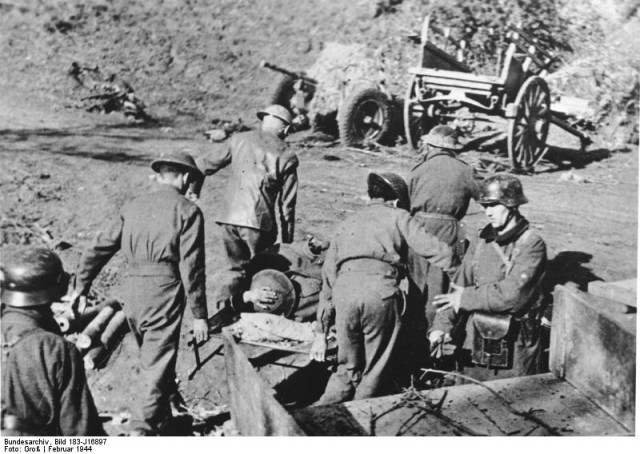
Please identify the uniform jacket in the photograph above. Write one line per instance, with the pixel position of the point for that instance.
(383, 233)
(488, 287)
(263, 178)
(162, 227)
(43, 379)
(442, 184)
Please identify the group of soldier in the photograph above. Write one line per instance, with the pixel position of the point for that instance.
(480, 305)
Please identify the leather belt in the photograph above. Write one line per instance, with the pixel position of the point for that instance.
(444, 217)
(369, 266)
(153, 268)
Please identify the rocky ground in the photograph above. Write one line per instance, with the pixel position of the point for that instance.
(66, 172)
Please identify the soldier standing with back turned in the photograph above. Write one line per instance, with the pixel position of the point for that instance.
(161, 234)
(263, 181)
(440, 188)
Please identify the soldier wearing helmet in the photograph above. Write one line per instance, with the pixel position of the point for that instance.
(44, 387)
(497, 292)
(263, 184)
(360, 278)
(440, 188)
(300, 263)
(161, 235)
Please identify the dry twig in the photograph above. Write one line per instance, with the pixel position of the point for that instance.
(524, 414)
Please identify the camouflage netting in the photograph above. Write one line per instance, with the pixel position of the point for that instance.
(341, 69)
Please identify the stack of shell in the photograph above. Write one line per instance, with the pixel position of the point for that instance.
(99, 329)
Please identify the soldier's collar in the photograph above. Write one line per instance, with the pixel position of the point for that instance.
(387, 203)
(424, 157)
(167, 187)
(489, 234)
(40, 316)
(436, 152)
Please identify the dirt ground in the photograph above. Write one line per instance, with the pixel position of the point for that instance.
(69, 172)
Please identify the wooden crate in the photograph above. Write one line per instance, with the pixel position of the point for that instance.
(470, 410)
(593, 347)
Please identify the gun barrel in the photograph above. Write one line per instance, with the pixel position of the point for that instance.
(300, 75)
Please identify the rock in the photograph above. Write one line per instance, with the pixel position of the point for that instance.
(571, 176)
(216, 135)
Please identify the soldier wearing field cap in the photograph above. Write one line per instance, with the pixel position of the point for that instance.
(440, 188)
(263, 184)
(361, 273)
(161, 235)
(497, 298)
(44, 387)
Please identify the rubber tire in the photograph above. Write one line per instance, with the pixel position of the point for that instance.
(350, 110)
(283, 92)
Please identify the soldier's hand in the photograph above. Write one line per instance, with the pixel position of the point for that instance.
(78, 302)
(200, 329)
(318, 350)
(192, 196)
(193, 191)
(261, 297)
(450, 300)
(440, 344)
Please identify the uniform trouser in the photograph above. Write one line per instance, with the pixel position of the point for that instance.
(154, 306)
(367, 326)
(240, 245)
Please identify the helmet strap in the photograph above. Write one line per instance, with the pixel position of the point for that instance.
(510, 216)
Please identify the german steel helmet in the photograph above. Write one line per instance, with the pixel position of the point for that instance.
(504, 189)
(442, 137)
(32, 277)
(281, 285)
(391, 184)
(179, 158)
(278, 111)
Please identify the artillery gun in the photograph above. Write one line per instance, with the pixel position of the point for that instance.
(363, 116)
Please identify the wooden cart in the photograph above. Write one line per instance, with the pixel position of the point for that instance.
(443, 89)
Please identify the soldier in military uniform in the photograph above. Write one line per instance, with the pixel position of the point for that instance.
(301, 262)
(440, 188)
(361, 274)
(44, 388)
(263, 181)
(161, 234)
(492, 316)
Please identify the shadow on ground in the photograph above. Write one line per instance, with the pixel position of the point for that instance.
(568, 266)
(137, 132)
(569, 158)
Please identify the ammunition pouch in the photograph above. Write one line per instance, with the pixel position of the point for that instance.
(492, 340)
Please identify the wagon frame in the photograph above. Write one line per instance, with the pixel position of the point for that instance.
(443, 88)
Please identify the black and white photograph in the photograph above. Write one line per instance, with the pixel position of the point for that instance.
(327, 218)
